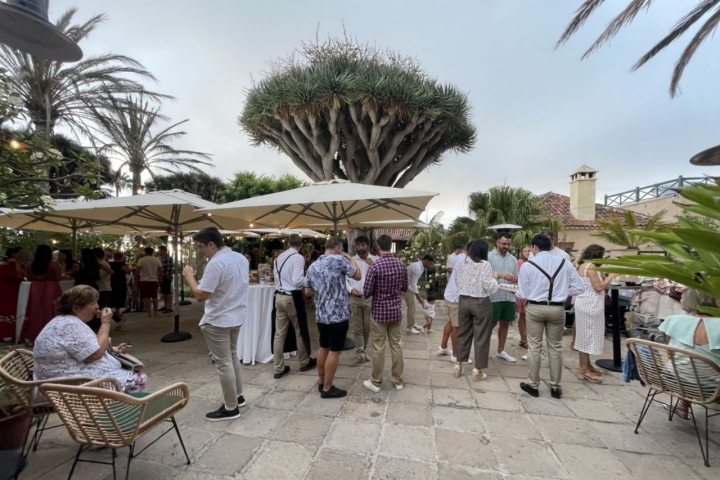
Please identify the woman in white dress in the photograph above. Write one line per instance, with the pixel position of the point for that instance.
(590, 313)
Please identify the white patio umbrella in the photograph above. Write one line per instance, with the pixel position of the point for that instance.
(339, 203)
(172, 211)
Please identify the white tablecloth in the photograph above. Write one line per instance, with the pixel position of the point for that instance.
(254, 342)
(23, 297)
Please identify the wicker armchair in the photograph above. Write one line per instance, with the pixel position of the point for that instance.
(684, 375)
(99, 414)
(16, 370)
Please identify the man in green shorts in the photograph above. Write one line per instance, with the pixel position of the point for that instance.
(503, 302)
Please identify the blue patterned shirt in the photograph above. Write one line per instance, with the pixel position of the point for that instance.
(500, 264)
(326, 276)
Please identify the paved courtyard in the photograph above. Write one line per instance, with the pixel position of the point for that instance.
(437, 427)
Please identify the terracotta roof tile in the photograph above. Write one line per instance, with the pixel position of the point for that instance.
(401, 234)
(558, 206)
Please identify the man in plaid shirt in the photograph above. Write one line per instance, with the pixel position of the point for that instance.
(385, 280)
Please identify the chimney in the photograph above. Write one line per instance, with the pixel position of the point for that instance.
(582, 193)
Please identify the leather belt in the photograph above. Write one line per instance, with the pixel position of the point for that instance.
(549, 304)
(280, 292)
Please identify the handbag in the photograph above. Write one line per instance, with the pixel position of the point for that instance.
(127, 361)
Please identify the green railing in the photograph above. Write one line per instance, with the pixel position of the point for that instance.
(658, 190)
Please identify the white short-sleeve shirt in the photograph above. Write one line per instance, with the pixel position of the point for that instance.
(226, 279)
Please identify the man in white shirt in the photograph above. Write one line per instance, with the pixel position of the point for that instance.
(415, 271)
(224, 289)
(289, 273)
(452, 302)
(360, 304)
(150, 270)
(546, 282)
(456, 251)
(555, 251)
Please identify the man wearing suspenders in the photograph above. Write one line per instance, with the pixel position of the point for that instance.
(289, 281)
(546, 282)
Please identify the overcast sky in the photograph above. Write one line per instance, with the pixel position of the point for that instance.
(540, 113)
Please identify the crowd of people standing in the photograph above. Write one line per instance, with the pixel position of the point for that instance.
(122, 287)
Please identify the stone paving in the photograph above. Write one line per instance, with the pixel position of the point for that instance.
(438, 426)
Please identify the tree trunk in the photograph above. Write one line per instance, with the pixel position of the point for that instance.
(136, 182)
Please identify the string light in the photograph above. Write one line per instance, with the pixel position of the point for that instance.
(15, 144)
(251, 225)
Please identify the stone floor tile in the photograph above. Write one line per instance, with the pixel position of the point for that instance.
(646, 467)
(408, 442)
(333, 465)
(355, 437)
(505, 401)
(364, 409)
(410, 414)
(574, 431)
(466, 449)
(189, 474)
(412, 364)
(304, 429)
(490, 384)
(622, 437)
(344, 371)
(453, 397)
(401, 469)
(448, 380)
(286, 400)
(591, 463)
(416, 354)
(612, 393)
(462, 419)
(281, 460)
(215, 458)
(168, 451)
(314, 405)
(442, 365)
(258, 423)
(527, 457)
(511, 371)
(508, 424)
(701, 471)
(594, 410)
(413, 377)
(301, 383)
(681, 442)
(579, 391)
(49, 456)
(412, 393)
(457, 472)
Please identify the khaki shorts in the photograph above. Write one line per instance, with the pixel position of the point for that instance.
(452, 312)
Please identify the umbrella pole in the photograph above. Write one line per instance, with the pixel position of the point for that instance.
(177, 335)
(74, 238)
(335, 219)
(183, 302)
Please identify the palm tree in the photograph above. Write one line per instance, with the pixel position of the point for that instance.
(626, 232)
(702, 9)
(199, 183)
(53, 92)
(500, 205)
(129, 124)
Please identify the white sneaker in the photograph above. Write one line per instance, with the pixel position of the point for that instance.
(542, 357)
(412, 331)
(506, 356)
(444, 351)
(418, 327)
(397, 386)
(453, 359)
(372, 387)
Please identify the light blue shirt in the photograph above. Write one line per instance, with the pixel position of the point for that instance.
(500, 264)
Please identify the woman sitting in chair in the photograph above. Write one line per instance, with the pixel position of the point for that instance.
(695, 331)
(67, 347)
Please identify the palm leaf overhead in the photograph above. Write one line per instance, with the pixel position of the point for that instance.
(708, 9)
(621, 231)
(131, 125)
(428, 238)
(53, 92)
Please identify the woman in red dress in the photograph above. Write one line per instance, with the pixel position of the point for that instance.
(12, 273)
(44, 290)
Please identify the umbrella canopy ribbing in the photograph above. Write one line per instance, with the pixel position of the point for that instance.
(338, 203)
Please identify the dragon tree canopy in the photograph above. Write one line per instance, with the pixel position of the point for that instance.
(341, 110)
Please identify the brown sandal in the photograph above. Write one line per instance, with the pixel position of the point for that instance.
(524, 345)
(588, 377)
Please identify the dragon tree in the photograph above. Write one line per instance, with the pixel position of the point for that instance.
(350, 111)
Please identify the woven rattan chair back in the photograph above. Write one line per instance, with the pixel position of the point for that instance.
(681, 373)
(16, 370)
